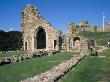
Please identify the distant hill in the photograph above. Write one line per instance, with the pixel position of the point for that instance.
(95, 35)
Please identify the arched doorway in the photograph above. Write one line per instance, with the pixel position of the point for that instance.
(76, 38)
(76, 43)
(41, 38)
(60, 42)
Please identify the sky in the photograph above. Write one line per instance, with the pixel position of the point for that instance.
(58, 12)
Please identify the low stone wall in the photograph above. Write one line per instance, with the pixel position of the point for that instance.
(18, 58)
(54, 74)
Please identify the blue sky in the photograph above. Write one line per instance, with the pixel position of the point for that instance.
(58, 12)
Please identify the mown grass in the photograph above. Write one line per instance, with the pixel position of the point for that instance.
(95, 35)
(10, 53)
(91, 69)
(29, 68)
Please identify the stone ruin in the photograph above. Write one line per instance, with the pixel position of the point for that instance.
(39, 34)
(72, 41)
(57, 72)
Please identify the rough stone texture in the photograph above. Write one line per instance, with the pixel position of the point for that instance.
(71, 41)
(32, 23)
(84, 25)
(38, 33)
(55, 73)
(22, 57)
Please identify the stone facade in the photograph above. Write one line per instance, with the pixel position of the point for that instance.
(71, 41)
(84, 25)
(38, 33)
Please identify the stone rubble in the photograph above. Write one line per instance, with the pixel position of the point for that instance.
(55, 73)
(22, 57)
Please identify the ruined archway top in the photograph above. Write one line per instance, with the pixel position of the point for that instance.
(38, 28)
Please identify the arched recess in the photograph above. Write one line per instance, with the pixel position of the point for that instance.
(40, 38)
(25, 44)
(76, 41)
(60, 42)
(76, 38)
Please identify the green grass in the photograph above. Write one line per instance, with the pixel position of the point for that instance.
(91, 69)
(7, 54)
(29, 68)
(95, 35)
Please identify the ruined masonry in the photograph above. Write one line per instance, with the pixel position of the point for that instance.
(38, 33)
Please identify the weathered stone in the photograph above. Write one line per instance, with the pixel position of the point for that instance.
(38, 33)
(55, 73)
(22, 57)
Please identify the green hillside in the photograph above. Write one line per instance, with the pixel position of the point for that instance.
(95, 35)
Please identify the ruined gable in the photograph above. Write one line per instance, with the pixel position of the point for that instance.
(30, 16)
(36, 30)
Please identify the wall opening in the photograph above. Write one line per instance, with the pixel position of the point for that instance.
(76, 41)
(60, 42)
(55, 43)
(25, 45)
(76, 38)
(41, 38)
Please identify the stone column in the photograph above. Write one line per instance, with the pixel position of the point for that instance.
(33, 43)
(33, 40)
(24, 45)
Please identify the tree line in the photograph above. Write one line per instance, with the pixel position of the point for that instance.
(10, 41)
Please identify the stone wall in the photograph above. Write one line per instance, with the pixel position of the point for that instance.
(22, 57)
(32, 21)
(57, 72)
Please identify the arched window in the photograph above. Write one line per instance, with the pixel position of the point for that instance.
(41, 38)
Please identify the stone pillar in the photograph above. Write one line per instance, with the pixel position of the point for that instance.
(32, 40)
(33, 43)
(24, 45)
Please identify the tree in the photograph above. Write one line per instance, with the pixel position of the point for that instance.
(2, 40)
(11, 40)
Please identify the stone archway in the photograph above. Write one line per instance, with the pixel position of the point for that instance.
(76, 43)
(41, 38)
(76, 38)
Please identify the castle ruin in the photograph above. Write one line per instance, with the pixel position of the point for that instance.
(39, 34)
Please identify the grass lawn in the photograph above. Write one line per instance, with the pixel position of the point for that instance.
(95, 35)
(7, 54)
(91, 69)
(29, 68)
